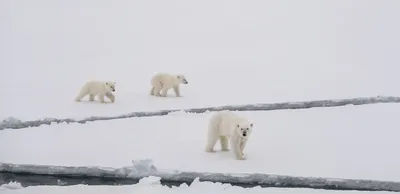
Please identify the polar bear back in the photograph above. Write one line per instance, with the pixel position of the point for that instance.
(95, 87)
(227, 122)
(167, 80)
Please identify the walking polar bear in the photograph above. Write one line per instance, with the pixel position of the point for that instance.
(99, 88)
(162, 82)
(227, 126)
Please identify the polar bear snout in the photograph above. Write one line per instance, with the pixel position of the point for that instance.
(244, 131)
(112, 88)
(182, 79)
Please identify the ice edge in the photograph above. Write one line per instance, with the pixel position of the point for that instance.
(263, 180)
(13, 123)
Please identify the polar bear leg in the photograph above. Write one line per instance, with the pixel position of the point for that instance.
(81, 94)
(164, 91)
(211, 141)
(91, 97)
(176, 90)
(212, 133)
(110, 96)
(101, 97)
(212, 136)
(235, 144)
(157, 90)
(152, 91)
(241, 147)
(224, 143)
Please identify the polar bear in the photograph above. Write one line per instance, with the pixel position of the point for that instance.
(227, 126)
(162, 82)
(99, 88)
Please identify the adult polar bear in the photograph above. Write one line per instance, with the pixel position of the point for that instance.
(99, 88)
(225, 125)
(162, 82)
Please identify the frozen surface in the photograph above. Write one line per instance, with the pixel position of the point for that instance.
(10, 185)
(232, 52)
(17, 124)
(357, 142)
(152, 185)
(144, 168)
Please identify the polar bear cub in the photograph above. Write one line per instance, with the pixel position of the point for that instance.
(162, 82)
(99, 88)
(227, 126)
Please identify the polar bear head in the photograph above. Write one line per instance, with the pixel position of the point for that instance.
(110, 86)
(244, 129)
(182, 79)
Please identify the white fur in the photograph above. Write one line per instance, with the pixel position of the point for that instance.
(227, 126)
(162, 82)
(99, 88)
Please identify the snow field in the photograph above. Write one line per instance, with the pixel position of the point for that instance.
(238, 53)
(343, 142)
(232, 52)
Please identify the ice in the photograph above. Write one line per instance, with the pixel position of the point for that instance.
(141, 172)
(152, 185)
(17, 124)
(151, 180)
(11, 122)
(233, 53)
(239, 53)
(322, 142)
(11, 185)
(141, 167)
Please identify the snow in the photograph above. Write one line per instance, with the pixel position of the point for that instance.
(152, 185)
(232, 52)
(344, 142)
(275, 50)
(11, 185)
(143, 167)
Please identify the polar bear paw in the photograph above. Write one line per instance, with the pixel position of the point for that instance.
(241, 157)
(210, 150)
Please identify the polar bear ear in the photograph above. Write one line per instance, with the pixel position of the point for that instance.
(251, 124)
(106, 83)
(237, 126)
